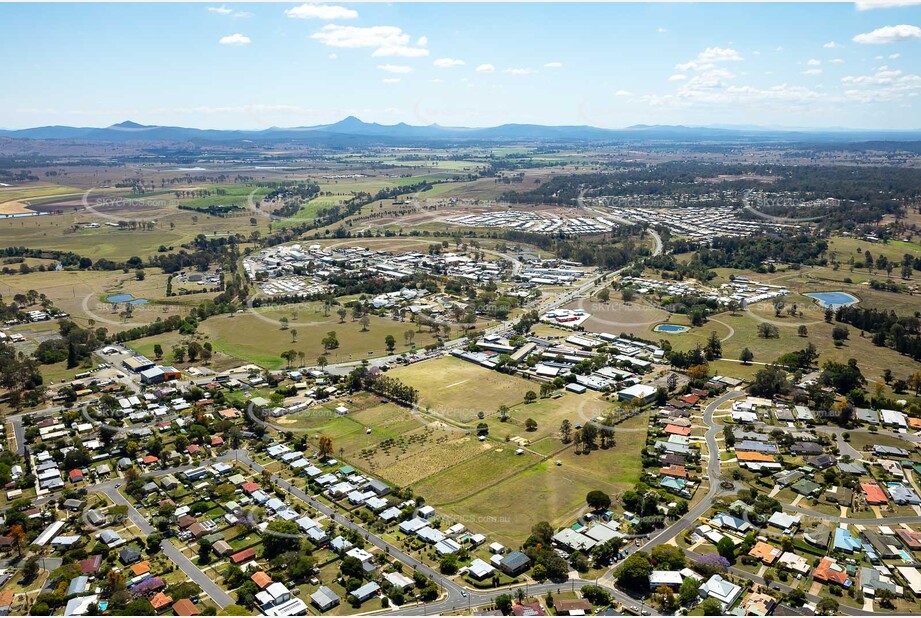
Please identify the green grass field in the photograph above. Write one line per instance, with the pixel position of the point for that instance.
(224, 195)
(260, 340)
(460, 481)
(445, 385)
(549, 492)
(503, 493)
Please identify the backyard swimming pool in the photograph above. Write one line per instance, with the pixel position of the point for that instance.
(834, 300)
(671, 328)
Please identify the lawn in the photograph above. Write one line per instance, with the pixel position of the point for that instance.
(401, 448)
(230, 195)
(549, 492)
(485, 470)
(872, 360)
(173, 228)
(548, 414)
(259, 338)
(445, 386)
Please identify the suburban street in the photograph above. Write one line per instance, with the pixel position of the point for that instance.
(220, 597)
(456, 596)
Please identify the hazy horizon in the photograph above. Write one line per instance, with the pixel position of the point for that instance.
(254, 66)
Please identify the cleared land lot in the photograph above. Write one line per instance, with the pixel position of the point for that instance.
(260, 339)
(497, 490)
(549, 492)
(456, 390)
(401, 447)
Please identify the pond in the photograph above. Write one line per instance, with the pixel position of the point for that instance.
(126, 298)
(671, 328)
(833, 300)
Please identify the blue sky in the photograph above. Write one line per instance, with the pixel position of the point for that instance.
(252, 66)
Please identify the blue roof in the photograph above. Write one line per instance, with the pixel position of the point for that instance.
(725, 519)
(845, 541)
(669, 482)
(78, 585)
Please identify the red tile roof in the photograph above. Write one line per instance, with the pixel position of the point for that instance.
(185, 607)
(261, 579)
(242, 556)
(829, 572)
(874, 493)
(90, 565)
(676, 471)
(160, 601)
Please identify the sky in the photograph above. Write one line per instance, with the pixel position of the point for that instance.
(257, 65)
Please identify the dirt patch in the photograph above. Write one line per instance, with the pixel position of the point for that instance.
(420, 454)
(14, 208)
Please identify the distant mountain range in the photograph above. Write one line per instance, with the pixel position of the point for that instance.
(355, 131)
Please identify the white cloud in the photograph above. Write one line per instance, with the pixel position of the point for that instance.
(812, 72)
(718, 54)
(395, 68)
(708, 58)
(623, 93)
(662, 30)
(889, 34)
(223, 10)
(866, 5)
(235, 39)
(883, 85)
(321, 11)
(400, 51)
(391, 80)
(813, 62)
(894, 56)
(356, 37)
(831, 45)
(554, 65)
(519, 71)
(678, 77)
(333, 56)
(882, 76)
(423, 41)
(448, 63)
(385, 40)
(485, 68)
(836, 61)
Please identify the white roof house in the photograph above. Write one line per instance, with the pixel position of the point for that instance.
(785, 522)
(722, 590)
(665, 578)
(893, 418)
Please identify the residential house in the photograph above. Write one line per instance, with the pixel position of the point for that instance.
(722, 590)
